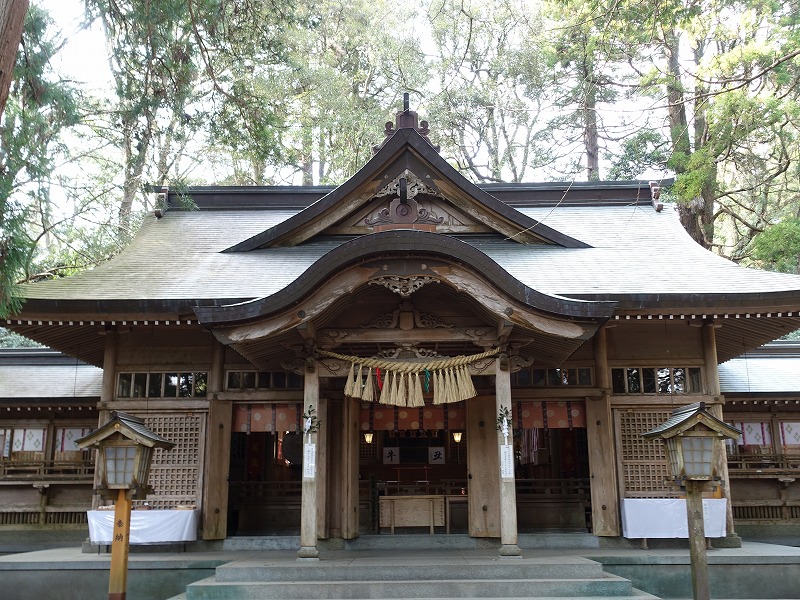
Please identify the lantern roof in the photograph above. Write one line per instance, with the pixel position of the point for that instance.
(127, 426)
(687, 417)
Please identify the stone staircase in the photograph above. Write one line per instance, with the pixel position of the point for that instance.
(420, 574)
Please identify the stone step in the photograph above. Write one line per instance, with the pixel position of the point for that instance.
(528, 541)
(340, 570)
(606, 586)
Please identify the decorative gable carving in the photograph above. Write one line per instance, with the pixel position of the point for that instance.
(425, 208)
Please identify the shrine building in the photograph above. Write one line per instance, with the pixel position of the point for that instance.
(408, 352)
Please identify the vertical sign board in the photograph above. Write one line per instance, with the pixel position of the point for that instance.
(309, 461)
(507, 461)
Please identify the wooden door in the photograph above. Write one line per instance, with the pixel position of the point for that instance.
(483, 465)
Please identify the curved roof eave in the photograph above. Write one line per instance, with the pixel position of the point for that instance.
(404, 243)
(404, 139)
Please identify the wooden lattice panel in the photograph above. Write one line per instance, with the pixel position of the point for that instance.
(175, 473)
(643, 467)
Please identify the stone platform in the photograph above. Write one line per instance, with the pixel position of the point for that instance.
(416, 567)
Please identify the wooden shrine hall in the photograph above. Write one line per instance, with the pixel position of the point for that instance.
(409, 351)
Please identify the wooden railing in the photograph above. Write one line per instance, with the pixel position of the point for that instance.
(757, 463)
(29, 465)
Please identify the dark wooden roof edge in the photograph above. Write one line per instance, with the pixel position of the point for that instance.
(185, 308)
(777, 349)
(34, 356)
(89, 401)
(153, 309)
(703, 303)
(396, 244)
(403, 140)
(518, 195)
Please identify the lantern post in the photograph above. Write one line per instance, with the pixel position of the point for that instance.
(692, 438)
(125, 450)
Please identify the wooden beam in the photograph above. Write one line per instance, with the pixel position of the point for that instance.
(331, 338)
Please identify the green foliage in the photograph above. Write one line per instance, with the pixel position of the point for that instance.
(247, 92)
(778, 247)
(645, 150)
(9, 339)
(39, 108)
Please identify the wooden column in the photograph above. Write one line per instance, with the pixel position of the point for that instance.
(505, 475)
(118, 572)
(713, 389)
(308, 507)
(350, 451)
(218, 451)
(111, 350)
(697, 540)
(108, 391)
(602, 453)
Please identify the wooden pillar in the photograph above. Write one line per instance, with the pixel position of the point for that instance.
(111, 350)
(697, 540)
(350, 452)
(713, 389)
(308, 507)
(217, 452)
(118, 572)
(505, 450)
(107, 391)
(603, 485)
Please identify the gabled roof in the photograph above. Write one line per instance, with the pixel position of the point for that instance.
(406, 151)
(128, 426)
(401, 243)
(687, 417)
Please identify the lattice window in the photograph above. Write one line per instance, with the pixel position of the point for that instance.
(643, 467)
(175, 473)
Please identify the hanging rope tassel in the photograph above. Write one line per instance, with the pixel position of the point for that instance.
(401, 390)
(437, 389)
(378, 377)
(469, 386)
(427, 383)
(458, 377)
(417, 399)
(368, 393)
(385, 389)
(348, 386)
(391, 384)
(452, 390)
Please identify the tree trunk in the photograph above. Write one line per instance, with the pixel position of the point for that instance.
(12, 21)
(591, 141)
(694, 215)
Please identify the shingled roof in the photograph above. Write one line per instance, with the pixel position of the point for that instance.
(576, 250)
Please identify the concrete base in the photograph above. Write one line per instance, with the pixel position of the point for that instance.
(732, 540)
(308, 553)
(509, 551)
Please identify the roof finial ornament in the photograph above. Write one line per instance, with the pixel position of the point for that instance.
(405, 119)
